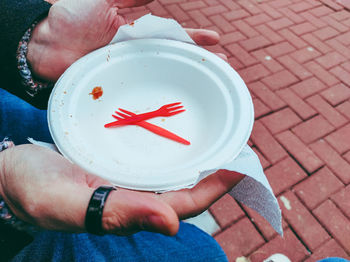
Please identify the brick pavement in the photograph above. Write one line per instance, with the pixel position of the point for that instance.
(294, 56)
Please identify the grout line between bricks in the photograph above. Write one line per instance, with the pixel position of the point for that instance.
(256, 227)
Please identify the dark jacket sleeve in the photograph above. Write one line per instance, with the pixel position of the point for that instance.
(16, 16)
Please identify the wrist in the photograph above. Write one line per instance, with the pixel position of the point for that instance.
(4, 144)
(47, 56)
(39, 41)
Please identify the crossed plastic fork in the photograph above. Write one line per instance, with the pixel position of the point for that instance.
(126, 117)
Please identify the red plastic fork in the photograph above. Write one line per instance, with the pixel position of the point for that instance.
(166, 110)
(154, 129)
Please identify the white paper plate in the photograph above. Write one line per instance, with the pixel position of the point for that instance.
(140, 76)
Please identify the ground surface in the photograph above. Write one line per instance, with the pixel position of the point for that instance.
(294, 56)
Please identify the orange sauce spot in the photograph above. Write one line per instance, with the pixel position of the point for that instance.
(132, 23)
(97, 92)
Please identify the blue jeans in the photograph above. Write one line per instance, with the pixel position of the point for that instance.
(19, 120)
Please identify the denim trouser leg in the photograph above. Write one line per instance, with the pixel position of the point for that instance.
(19, 120)
(189, 245)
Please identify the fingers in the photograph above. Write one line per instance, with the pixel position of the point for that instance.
(127, 212)
(190, 202)
(203, 36)
(222, 56)
(130, 3)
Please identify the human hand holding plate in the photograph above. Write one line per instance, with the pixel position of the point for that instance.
(75, 28)
(45, 189)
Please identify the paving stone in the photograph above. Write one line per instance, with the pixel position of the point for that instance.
(193, 5)
(332, 4)
(331, 59)
(343, 75)
(316, 43)
(269, 33)
(340, 139)
(250, 7)
(335, 24)
(329, 249)
(302, 221)
(296, 68)
(242, 55)
(236, 14)
(292, 38)
(346, 66)
(333, 160)
(253, 73)
(296, 103)
(280, 49)
(264, 162)
(266, 143)
(299, 151)
(344, 108)
(281, 120)
(305, 54)
(335, 222)
(321, 11)
(336, 94)
(308, 87)
(341, 199)
(280, 79)
(318, 187)
(325, 109)
(266, 95)
(345, 3)
(344, 38)
(264, 227)
(239, 239)
(303, 28)
(341, 15)
(288, 245)
(280, 23)
(336, 45)
(199, 18)
(214, 10)
(226, 211)
(312, 129)
(254, 43)
(177, 12)
(294, 56)
(278, 4)
(222, 23)
(269, 62)
(301, 6)
(235, 63)
(320, 73)
(284, 174)
(313, 20)
(293, 16)
(229, 4)
(270, 11)
(326, 33)
(245, 28)
(257, 19)
(232, 37)
(165, 2)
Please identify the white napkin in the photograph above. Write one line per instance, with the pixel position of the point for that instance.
(254, 190)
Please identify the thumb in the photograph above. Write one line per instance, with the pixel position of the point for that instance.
(127, 212)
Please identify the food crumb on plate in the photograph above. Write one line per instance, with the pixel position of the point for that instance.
(97, 92)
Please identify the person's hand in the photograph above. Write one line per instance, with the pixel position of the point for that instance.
(43, 188)
(74, 28)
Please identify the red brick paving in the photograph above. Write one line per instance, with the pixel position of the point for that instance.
(294, 56)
